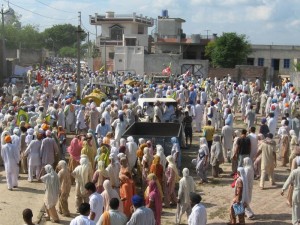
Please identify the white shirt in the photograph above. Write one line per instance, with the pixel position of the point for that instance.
(198, 215)
(254, 145)
(82, 220)
(142, 216)
(96, 204)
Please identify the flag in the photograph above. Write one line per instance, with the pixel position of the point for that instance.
(187, 73)
(48, 118)
(101, 69)
(167, 71)
(22, 116)
(173, 95)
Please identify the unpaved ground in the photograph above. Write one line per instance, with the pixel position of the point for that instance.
(268, 205)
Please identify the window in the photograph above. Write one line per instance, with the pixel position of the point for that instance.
(111, 55)
(260, 61)
(286, 63)
(250, 61)
(130, 41)
(116, 32)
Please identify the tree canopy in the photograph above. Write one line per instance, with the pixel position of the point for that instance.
(62, 35)
(228, 50)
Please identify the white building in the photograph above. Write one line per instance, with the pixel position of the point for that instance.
(279, 59)
(123, 40)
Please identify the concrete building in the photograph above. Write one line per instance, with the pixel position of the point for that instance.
(123, 40)
(279, 59)
(125, 44)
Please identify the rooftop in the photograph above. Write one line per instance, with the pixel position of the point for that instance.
(110, 17)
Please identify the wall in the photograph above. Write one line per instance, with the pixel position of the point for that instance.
(28, 56)
(240, 72)
(129, 28)
(129, 58)
(154, 63)
(168, 27)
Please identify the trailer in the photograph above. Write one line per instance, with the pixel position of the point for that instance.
(158, 133)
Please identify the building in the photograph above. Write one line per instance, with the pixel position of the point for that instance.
(279, 59)
(123, 41)
(125, 44)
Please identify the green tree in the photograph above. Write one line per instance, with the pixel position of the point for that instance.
(228, 50)
(68, 52)
(59, 36)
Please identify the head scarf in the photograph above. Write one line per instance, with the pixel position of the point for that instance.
(62, 164)
(292, 133)
(185, 172)
(108, 188)
(160, 153)
(51, 181)
(130, 139)
(243, 178)
(122, 142)
(173, 166)
(84, 173)
(174, 140)
(203, 142)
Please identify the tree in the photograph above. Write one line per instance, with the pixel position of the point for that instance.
(68, 52)
(24, 37)
(63, 35)
(228, 50)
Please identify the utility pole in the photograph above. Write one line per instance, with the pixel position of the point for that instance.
(207, 34)
(4, 67)
(88, 41)
(78, 56)
(105, 61)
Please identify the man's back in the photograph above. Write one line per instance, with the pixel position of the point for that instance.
(142, 216)
(244, 145)
(82, 220)
(198, 215)
(268, 148)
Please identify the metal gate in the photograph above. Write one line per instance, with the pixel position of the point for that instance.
(195, 69)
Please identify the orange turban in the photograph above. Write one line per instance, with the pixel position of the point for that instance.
(7, 139)
(45, 127)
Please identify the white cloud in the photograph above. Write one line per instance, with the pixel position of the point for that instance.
(263, 12)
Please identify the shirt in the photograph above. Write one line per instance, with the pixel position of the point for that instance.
(115, 218)
(244, 146)
(96, 204)
(208, 132)
(101, 131)
(198, 215)
(82, 220)
(142, 216)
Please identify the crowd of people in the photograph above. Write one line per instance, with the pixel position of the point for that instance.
(127, 181)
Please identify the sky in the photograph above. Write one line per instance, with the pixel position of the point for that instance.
(262, 21)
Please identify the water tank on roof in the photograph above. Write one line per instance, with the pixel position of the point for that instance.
(164, 13)
(109, 14)
(196, 38)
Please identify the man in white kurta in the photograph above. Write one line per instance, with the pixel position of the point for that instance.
(186, 186)
(227, 139)
(198, 215)
(294, 179)
(34, 160)
(11, 158)
(199, 111)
